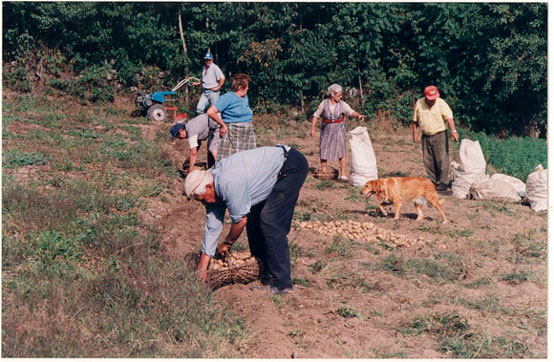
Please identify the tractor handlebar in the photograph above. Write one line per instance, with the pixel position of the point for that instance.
(187, 80)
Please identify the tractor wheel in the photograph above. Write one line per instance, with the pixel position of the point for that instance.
(157, 113)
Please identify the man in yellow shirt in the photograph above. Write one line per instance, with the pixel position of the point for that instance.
(430, 114)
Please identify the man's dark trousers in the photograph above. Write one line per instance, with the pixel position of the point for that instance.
(268, 223)
(435, 157)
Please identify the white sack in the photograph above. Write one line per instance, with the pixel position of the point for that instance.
(364, 164)
(494, 189)
(536, 189)
(471, 157)
(516, 183)
(471, 169)
(463, 181)
(454, 166)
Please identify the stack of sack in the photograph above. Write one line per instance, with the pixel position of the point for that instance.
(364, 163)
(470, 180)
(471, 169)
(498, 187)
(536, 189)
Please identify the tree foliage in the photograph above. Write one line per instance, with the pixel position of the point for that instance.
(488, 59)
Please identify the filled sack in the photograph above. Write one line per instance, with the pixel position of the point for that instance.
(471, 157)
(494, 188)
(471, 169)
(536, 189)
(516, 183)
(463, 182)
(364, 163)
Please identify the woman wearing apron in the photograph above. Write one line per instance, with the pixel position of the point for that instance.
(332, 140)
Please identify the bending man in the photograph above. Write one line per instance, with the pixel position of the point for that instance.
(260, 188)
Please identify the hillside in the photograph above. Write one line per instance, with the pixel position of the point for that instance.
(473, 288)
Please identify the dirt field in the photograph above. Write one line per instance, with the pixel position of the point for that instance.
(475, 287)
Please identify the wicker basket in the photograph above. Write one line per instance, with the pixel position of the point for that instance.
(331, 174)
(244, 274)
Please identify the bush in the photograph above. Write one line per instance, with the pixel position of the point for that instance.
(70, 87)
(95, 84)
(17, 78)
(16, 158)
(98, 82)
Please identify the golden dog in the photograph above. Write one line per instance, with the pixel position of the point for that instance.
(398, 190)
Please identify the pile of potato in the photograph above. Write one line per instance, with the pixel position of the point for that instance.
(361, 231)
(235, 259)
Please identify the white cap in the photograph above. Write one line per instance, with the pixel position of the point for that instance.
(193, 180)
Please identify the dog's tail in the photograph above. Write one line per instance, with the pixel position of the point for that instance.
(421, 201)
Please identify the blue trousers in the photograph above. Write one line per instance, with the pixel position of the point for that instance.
(268, 223)
(207, 98)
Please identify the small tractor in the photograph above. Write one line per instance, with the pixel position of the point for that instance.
(152, 104)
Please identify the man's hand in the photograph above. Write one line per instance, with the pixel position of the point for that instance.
(455, 135)
(236, 229)
(224, 249)
(415, 132)
(202, 274)
(202, 270)
(222, 130)
(192, 159)
(312, 132)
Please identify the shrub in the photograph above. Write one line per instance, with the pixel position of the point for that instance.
(16, 158)
(98, 82)
(347, 312)
(17, 78)
(94, 84)
(53, 247)
(70, 87)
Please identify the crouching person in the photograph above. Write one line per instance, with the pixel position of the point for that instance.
(260, 188)
(196, 130)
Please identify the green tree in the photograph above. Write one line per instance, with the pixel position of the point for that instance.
(488, 59)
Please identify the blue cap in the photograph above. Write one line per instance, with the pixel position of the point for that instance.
(176, 128)
(208, 55)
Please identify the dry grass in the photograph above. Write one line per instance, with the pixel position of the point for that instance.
(86, 274)
(83, 272)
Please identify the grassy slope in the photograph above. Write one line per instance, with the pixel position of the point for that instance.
(83, 273)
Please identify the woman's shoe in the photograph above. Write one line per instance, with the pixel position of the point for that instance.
(343, 178)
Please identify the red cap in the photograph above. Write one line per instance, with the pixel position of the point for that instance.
(431, 92)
